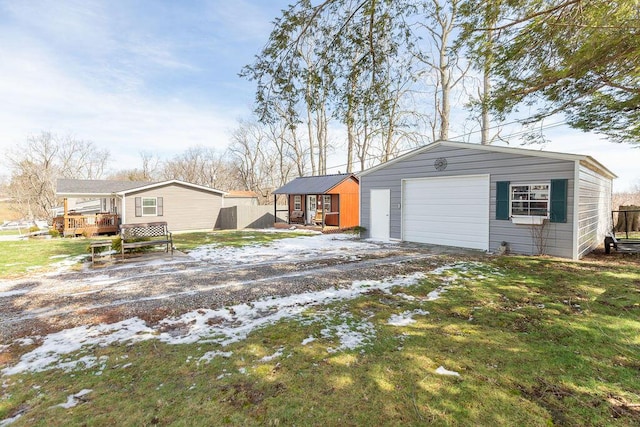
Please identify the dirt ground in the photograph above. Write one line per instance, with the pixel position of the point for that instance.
(153, 287)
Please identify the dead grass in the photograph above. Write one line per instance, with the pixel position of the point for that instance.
(8, 211)
(625, 199)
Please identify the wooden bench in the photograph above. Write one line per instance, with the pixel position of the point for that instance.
(147, 234)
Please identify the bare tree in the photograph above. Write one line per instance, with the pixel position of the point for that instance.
(45, 158)
(263, 159)
(150, 170)
(199, 165)
(440, 20)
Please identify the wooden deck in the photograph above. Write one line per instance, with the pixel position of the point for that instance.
(87, 225)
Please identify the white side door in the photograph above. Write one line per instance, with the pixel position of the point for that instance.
(312, 207)
(380, 214)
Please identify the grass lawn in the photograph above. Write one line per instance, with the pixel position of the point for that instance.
(535, 341)
(19, 257)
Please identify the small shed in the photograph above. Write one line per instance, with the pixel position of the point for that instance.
(326, 200)
(489, 198)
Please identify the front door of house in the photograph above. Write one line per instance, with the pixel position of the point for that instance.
(312, 206)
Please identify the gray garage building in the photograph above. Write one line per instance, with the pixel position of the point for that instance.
(483, 197)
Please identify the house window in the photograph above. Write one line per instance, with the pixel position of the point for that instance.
(149, 206)
(326, 203)
(297, 203)
(529, 200)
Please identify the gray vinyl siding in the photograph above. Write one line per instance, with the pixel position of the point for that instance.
(515, 168)
(185, 208)
(594, 210)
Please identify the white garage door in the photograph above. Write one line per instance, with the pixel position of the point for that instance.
(451, 211)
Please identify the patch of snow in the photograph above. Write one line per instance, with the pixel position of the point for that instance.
(277, 354)
(210, 355)
(442, 371)
(294, 248)
(67, 263)
(54, 346)
(11, 420)
(84, 362)
(435, 294)
(406, 318)
(13, 293)
(352, 334)
(308, 340)
(25, 341)
(74, 399)
(406, 297)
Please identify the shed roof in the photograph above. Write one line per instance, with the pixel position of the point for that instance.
(584, 159)
(107, 188)
(313, 184)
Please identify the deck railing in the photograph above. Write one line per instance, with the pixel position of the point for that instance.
(89, 225)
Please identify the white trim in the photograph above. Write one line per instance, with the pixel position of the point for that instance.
(526, 184)
(136, 189)
(142, 199)
(576, 206)
(170, 182)
(528, 219)
(123, 219)
(510, 150)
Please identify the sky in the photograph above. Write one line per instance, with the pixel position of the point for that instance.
(160, 76)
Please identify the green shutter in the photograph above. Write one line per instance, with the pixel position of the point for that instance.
(502, 200)
(558, 200)
(138, 206)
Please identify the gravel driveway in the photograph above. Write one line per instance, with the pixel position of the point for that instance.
(154, 286)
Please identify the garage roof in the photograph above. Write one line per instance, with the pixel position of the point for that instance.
(584, 159)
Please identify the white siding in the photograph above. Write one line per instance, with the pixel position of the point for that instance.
(594, 210)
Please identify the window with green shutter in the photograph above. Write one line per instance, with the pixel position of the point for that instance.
(502, 200)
